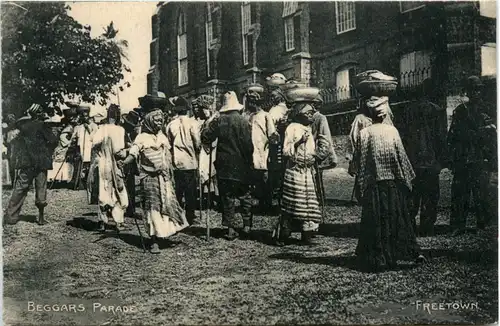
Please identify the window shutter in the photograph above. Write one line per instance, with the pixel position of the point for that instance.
(215, 23)
(296, 27)
(250, 48)
(253, 13)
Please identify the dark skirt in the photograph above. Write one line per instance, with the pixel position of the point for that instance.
(387, 233)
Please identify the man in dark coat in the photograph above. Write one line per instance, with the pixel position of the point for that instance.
(425, 143)
(233, 162)
(36, 144)
(131, 123)
(472, 147)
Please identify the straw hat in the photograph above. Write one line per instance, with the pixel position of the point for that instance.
(230, 103)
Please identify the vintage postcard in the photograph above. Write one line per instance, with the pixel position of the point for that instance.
(249, 163)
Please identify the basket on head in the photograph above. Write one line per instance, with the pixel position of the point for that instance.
(375, 83)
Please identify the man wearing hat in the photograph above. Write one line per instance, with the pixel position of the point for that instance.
(425, 143)
(83, 139)
(263, 135)
(183, 135)
(471, 146)
(233, 162)
(35, 146)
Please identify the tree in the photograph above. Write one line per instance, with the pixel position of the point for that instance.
(47, 56)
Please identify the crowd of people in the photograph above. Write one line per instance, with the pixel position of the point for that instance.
(237, 152)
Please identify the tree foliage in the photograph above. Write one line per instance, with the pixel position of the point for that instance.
(47, 56)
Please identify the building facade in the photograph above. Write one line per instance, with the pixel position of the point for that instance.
(209, 47)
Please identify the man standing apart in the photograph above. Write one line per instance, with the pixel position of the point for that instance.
(425, 144)
(35, 146)
(233, 162)
(470, 138)
(184, 138)
(263, 135)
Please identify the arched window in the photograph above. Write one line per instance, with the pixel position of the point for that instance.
(344, 81)
(182, 57)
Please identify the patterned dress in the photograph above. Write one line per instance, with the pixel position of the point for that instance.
(299, 200)
(383, 186)
(161, 208)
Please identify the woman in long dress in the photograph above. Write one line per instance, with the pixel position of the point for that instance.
(106, 181)
(383, 186)
(164, 215)
(299, 203)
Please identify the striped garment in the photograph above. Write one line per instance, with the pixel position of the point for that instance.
(159, 195)
(299, 198)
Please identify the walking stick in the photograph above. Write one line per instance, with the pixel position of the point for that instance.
(140, 234)
(208, 197)
(200, 185)
(65, 159)
(320, 191)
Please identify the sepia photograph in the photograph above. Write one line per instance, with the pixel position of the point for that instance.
(249, 163)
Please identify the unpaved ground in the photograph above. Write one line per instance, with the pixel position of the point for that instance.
(242, 282)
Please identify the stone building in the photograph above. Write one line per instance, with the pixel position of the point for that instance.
(209, 47)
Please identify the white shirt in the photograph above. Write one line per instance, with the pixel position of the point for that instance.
(84, 140)
(262, 128)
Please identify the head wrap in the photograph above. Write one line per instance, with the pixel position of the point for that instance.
(148, 125)
(204, 101)
(378, 106)
(34, 110)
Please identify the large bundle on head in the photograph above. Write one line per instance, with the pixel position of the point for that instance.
(151, 102)
(254, 93)
(375, 83)
(297, 92)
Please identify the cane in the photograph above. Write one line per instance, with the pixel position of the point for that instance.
(57, 173)
(208, 196)
(60, 168)
(200, 185)
(140, 234)
(320, 191)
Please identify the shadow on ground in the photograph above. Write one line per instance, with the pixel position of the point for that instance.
(261, 236)
(349, 262)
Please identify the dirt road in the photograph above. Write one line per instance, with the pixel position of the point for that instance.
(243, 282)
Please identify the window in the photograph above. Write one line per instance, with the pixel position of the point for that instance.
(289, 9)
(489, 59)
(344, 82)
(345, 14)
(182, 57)
(209, 34)
(414, 67)
(246, 22)
(487, 8)
(406, 6)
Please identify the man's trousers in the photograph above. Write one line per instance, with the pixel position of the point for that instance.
(263, 189)
(24, 179)
(425, 197)
(231, 191)
(185, 187)
(466, 181)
